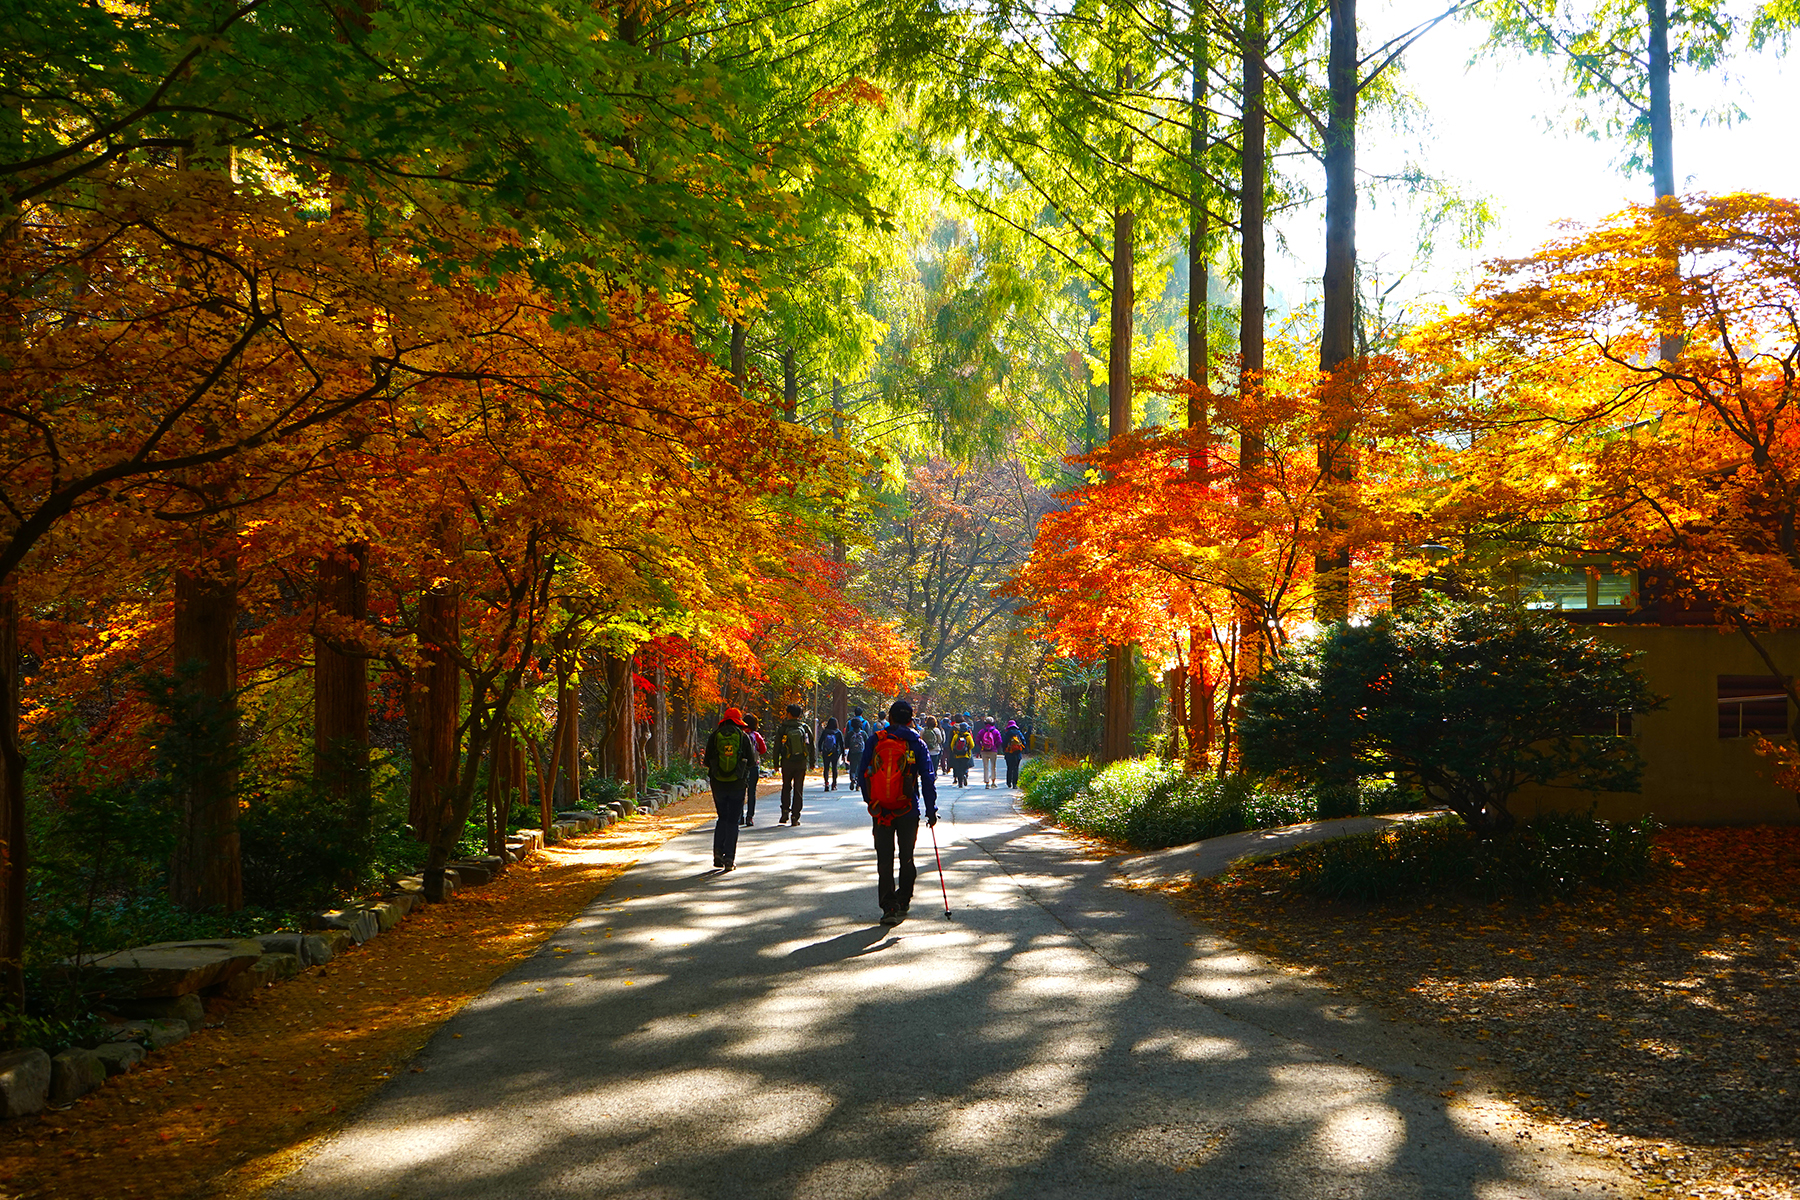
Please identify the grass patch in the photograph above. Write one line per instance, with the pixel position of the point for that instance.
(1553, 855)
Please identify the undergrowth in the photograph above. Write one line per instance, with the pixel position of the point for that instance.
(1551, 855)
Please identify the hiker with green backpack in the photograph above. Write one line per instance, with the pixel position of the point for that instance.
(896, 775)
(794, 751)
(731, 766)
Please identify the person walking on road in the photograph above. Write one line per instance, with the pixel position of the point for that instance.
(989, 742)
(962, 753)
(794, 751)
(934, 740)
(1012, 745)
(897, 777)
(856, 736)
(762, 756)
(731, 768)
(831, 751)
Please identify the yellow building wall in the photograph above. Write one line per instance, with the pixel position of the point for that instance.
(1692, 776)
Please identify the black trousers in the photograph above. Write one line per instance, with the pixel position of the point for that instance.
(893, 841)
(832, 758)
(728, 802)
(750, 799)
(793, 782)
(1012, 768)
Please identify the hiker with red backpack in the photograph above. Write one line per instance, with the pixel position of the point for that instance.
(1012, 744)
(896, 776)
(794, 750)
(731, 767)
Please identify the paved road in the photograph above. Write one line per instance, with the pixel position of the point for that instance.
(756, 1034)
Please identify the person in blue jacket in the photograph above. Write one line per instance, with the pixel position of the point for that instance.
(899, 785)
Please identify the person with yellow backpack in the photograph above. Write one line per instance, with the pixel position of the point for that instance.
(896, 778)
(962, 752)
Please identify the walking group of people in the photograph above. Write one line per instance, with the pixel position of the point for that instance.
(956, 741)
(895, 767)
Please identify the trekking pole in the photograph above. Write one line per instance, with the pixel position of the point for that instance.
(935, 853)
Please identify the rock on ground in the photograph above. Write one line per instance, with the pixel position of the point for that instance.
(73, 1074)
(24, 1082)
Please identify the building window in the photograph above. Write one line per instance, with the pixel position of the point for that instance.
(1613, 724)
(1579, 589)
(1751, 704)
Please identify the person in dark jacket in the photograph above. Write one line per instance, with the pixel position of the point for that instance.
(1012, 744)
(762, 759)
(896, 817)
(831, 751)
(795, 752)
(731, 767)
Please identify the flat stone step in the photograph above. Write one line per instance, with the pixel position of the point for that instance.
(166, 968)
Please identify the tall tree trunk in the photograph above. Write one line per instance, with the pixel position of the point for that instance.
(434, 710)
(14, 857)
(1253, 214)
(740, 366)
(659, 734)
(1199, 415)
(1115, 736)
(205, 871)
(1337, 335)
(790, 383)
(341, 693)
(567, 784)
(621, 724)
(1662, 149)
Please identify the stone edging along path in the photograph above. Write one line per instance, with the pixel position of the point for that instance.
(159, 994)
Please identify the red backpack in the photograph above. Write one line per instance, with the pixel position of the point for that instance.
(887, 783)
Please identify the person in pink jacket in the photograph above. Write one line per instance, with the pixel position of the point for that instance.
(988, 742)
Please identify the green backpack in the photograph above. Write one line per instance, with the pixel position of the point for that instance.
(728, 760)
(793, 744)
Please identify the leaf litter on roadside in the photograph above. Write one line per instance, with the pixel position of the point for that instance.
(220, 1112)
(1656, 1022)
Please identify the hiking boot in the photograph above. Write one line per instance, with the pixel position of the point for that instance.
(730, 866)
(717, 862)
(899, 914)
(795, 820)
(888, 917)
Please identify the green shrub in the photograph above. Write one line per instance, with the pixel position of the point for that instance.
(1192, 808)
(1552, 854)
(1049, 784)
(1151, 803)
(1108, 806)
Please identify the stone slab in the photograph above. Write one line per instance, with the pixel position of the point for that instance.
(24, 1082)
(166, 968)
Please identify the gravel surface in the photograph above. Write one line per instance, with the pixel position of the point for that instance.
(1656, 1023)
